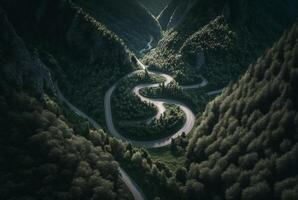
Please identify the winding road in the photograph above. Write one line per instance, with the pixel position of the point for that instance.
(132, 186)
(159, 103)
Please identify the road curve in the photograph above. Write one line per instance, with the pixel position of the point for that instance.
(159, 103)
(132, 186)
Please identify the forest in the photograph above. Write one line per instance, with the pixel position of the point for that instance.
(127, 105)
(170, 121)
(136, 118)
(42, 156)
(156, 100)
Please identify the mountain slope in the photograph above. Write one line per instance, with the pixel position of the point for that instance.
(19, 67)
(42, 153)
(127, 18)
(175, 12)
(246, 146)
(218, 38)
(84, 55)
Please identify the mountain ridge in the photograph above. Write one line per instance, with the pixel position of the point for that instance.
(250, 26)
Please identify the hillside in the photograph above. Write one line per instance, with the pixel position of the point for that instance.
(174, 13)
(127, 18)
(19, 67)
(155, 6)
(81, 117)
(246, 144)
(43, 157)
(217, 38)
(43, 154)
(84, 56)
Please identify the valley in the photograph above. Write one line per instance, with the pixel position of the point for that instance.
(186, 129)
(159, 100)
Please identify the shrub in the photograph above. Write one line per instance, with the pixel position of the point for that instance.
(194, 190)
(259, 191)
(231, 175)
(233, 192)
(248, 161)
(181, 175)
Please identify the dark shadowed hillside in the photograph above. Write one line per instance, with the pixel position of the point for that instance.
(20, 67)
(127, 18)
(42, 156)
(175, 12)
(84, 55)
(155, 6)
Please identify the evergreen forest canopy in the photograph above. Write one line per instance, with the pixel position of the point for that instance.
(226, 71)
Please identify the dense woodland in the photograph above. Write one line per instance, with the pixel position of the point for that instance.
(135, 118)
(43, 155)
(43, 158)
(172, 90)
(244, 145)
(128, 106)
(154, 128)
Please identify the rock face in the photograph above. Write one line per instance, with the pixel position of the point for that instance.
(18, 66)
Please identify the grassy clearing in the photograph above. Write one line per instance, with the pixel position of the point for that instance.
(165, 155)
